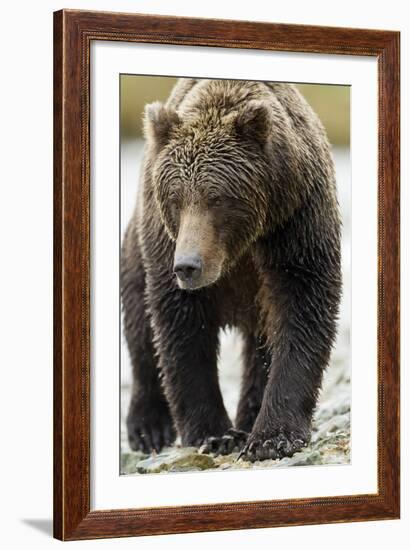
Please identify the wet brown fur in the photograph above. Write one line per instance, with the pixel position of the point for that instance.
(250, 163)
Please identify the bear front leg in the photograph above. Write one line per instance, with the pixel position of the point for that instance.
(149, 423)
(187, 327)
(300, 328)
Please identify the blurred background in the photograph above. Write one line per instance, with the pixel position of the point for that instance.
(331, 103)
(331, 431)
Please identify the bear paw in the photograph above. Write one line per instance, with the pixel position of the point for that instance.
(150, 427)
(232, 440)
(263, 447)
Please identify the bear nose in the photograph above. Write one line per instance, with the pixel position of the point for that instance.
(188, 268)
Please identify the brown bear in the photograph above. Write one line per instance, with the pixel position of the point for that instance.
(236, 224)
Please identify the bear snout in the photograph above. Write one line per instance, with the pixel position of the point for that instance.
(188, 268)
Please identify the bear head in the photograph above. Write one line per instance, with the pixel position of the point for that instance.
(210, 184)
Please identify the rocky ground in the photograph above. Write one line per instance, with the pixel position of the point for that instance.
(330, 443)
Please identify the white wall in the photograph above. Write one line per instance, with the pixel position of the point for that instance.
(26, 271)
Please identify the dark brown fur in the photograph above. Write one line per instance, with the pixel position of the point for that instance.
(240, 175)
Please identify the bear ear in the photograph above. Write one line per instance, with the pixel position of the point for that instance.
(159, 121)
(254, 122)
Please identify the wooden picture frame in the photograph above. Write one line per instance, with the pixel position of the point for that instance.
(73, 33)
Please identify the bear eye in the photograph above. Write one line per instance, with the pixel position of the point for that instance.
(173, 202)
(215, 201)
(174, 207)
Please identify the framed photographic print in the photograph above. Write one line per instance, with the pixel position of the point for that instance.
(226, 275)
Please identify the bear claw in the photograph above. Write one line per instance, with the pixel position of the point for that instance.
(149, 432)
(273, 448)
(232, 440)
